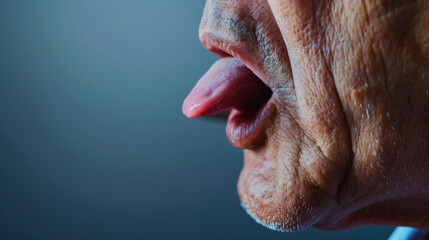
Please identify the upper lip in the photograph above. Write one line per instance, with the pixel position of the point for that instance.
(215, 44)
(223, 48)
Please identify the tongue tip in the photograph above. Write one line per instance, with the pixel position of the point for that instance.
(216, 90)
(190, 108)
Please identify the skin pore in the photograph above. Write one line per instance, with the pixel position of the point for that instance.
(348, 144)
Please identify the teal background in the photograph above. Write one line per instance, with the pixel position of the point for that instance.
(93, 144)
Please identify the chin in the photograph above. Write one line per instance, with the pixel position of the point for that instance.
(278, 199)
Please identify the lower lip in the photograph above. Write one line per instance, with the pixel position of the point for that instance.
(248, 129)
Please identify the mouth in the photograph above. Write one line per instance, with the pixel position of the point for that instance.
(230, 84)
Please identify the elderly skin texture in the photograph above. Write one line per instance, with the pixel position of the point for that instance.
(348, 145)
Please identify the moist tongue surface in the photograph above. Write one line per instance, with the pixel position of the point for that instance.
(227, 84)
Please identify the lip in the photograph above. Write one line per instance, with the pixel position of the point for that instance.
(244, 129)
(248, 130)
(223, 48)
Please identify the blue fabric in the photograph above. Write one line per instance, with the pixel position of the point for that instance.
(409, 233)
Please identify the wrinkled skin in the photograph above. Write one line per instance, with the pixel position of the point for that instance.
(349, 142)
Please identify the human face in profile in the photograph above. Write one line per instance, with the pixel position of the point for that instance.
(329, 101)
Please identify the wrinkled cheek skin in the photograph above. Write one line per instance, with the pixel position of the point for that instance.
(340, 147)
(292, 181)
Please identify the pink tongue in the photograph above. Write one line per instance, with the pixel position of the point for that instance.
(227, 84)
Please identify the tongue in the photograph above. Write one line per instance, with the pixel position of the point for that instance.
(227, 84)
